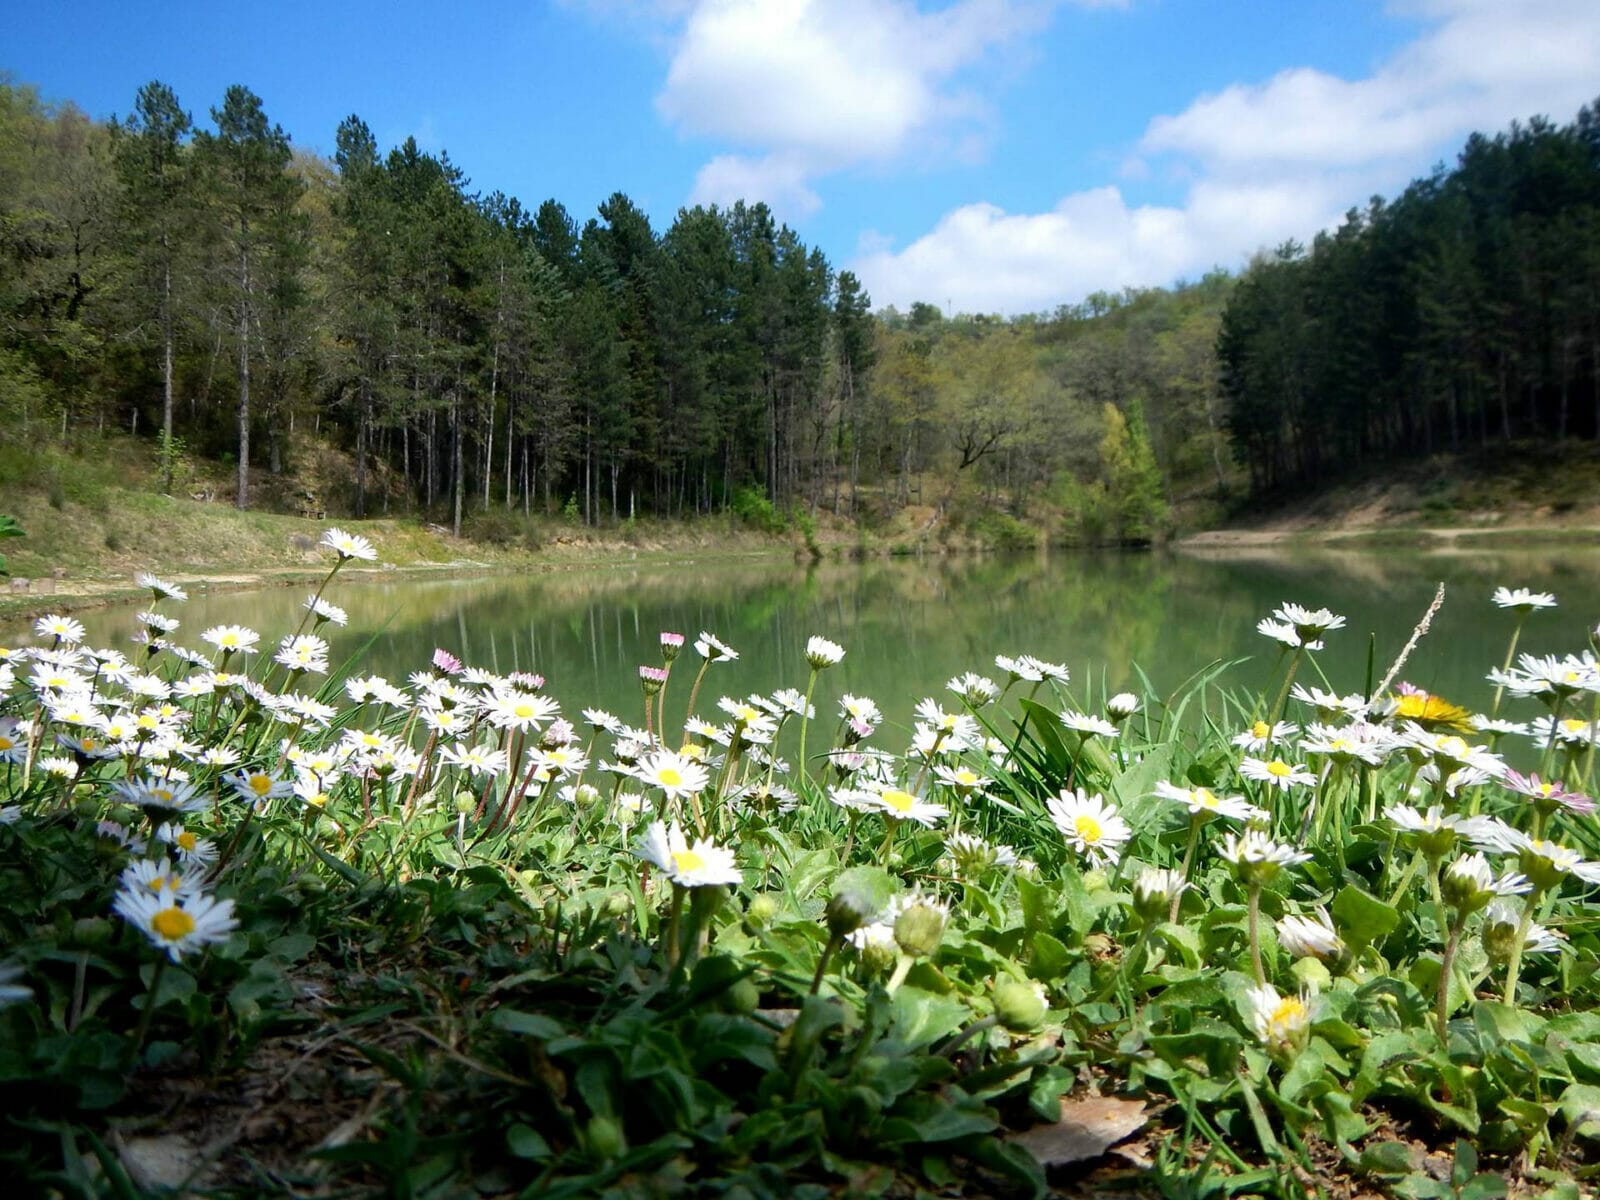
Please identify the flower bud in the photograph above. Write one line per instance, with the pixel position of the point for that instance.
(1467, 884)
(1122, 706)
(1153, 893)
(1020, 1006)
(91, 931)
(920, 927)
(604, 1139)
(859, 895)
(763, 910)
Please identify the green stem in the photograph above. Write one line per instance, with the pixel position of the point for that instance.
(1283, 692)
(1446, 969)
(148, 1011)
(1514, 964)
(1195, 821)
(1255, 934)
(1511, 652)
(833, 945)
(805, 718)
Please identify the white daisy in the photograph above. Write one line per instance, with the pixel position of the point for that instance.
(1088, 726)
(675, 774)
(1202, 801)
(232, 639)
(821, 653)
(1282, 1023)
(907, 806)
(713, 649)
(177, 925)
(349, 545)
(1276, 773)
(1522, 599)
(1090, 825)
(63, 629)
(1257, 858)
(1310, 937)
(1261, 736)
(702, 865)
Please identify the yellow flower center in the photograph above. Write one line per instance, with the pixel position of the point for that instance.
(261, 784)
(1572, 725)
(1289, 1013)
(7, 743)
(745, 714)
(670, 777)
(173, 924)
(687, 861)
(1279, 769)
(162, 794)
(1260, 729)
(966, 778)
(1205, 797)
(898, 800)
(1088, 829)
(187, 841)
(523, 712)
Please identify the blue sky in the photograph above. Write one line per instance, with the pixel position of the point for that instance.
(990, 155)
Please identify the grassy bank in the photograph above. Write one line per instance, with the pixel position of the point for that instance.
(1542, 491)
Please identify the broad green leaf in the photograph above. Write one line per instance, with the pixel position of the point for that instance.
(1362, 918)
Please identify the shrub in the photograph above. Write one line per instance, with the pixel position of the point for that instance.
(753, 508)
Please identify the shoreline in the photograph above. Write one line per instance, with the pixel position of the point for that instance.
(1429, 539)
(81, 595)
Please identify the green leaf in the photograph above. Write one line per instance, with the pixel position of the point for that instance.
(1580, 1106)
(921, 1018)
(1387, 1158)
(525, 1142)
(529, 1024)
(1465, 1165)
(292, 947)
(1498, 1023)
(1050, 958)
(1361, 918)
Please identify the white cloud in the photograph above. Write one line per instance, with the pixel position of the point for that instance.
(818, 85)
(1267, 162)
(779, 180)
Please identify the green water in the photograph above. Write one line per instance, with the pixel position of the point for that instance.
(908, 625)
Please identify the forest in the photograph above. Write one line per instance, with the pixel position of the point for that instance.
(228, 298)
(1465, 313)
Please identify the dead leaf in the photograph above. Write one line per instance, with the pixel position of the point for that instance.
(1086, 1130)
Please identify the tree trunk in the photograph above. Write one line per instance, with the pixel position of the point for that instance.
(166, 376)
(242, 499)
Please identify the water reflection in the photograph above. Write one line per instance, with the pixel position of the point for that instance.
(908, 625)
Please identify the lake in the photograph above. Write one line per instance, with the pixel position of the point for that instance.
(910, 624)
